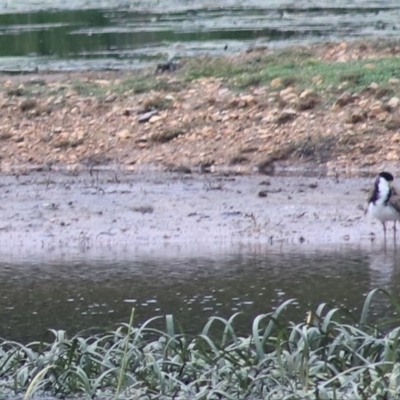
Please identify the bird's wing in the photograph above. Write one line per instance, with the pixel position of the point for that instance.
(369, 199)
(370, 194)
(394, 199)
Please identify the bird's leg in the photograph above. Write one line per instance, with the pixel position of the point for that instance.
(394, 227)
(384, 229)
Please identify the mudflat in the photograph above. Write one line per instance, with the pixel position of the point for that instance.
(151, 211)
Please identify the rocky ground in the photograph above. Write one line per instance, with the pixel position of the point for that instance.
(174, 120)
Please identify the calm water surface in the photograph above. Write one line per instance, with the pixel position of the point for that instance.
(118, 34)
(82, 292)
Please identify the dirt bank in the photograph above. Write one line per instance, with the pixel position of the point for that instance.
(334, 106)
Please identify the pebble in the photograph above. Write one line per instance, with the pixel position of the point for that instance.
(146, 116)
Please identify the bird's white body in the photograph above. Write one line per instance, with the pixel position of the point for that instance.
(383, 212)
(380, 208)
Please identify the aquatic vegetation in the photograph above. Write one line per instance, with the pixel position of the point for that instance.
(329, 356)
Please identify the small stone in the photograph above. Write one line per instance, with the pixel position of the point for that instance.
(234, 103)
(236, 160)
(146, 116)
(306, 93)
(179, 169)
(110, 98)
(248, 100)
(345, 99)
(124, 134)
(393, 102)
(356, 116)
(276, 82)
(395, 138)
(382, 116)
(5, 135)
(373, 86)
(288, 92)
(166, 135)
(58, 100)
(249, 149)
(394, 81)
(130, 161)
(286, 116)
(18, 139)
(308, 100)
(133, 110)
(263, 193)
(392, 123)
(169, 97)
(392, 156)
(28, 104)
(376, 109)
(155, 118)
(143, 209)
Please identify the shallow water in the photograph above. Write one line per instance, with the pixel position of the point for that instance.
(82, 292)
(82, 35)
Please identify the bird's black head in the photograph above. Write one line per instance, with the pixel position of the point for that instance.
(387, 176)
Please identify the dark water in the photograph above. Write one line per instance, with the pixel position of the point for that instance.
(75, 294)
(81, 35)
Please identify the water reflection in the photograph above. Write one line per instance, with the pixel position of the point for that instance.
(114, 35)
(74, 293)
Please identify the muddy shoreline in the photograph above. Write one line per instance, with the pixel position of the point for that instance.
(228, 151)
(147, 212)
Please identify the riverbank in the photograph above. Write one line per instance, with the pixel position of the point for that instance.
(333, 106)
(116, 159)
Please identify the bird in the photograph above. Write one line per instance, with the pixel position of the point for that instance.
(384, 200)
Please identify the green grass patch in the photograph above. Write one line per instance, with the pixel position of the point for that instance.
(332, 355)
(88, 88)
(298, 68)
(143, 83)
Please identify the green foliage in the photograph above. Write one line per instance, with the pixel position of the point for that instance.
(87, 88)
(332, 355)
(296, 67)
(293, 67)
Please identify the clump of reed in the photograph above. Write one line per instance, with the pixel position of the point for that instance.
(324, 357)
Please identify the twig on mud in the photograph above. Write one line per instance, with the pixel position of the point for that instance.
(48, 181)
(210, 185)
(84, 241)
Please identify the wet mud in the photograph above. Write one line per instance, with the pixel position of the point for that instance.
(145, 212)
